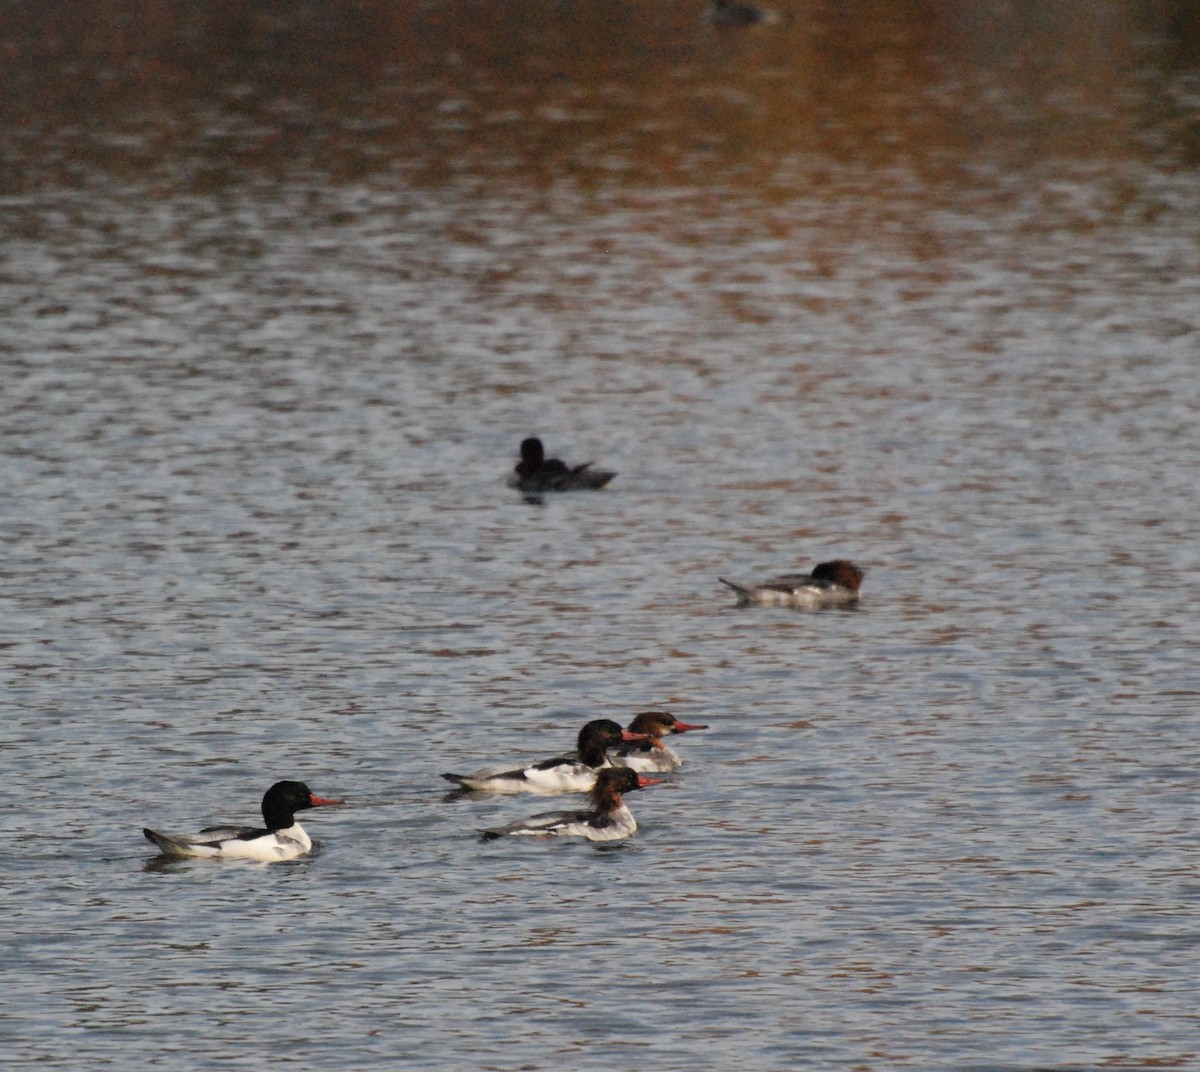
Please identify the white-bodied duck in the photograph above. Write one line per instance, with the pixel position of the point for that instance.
(608, 819)
(831, 584)
(282, 839)
(574, 772)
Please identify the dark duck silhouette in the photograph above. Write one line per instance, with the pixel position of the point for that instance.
(738, 13)
(537, 473)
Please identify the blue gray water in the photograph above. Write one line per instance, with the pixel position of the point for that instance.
(259, 402)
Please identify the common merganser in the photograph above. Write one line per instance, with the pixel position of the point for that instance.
(736, 13)
(829, 585)
(283, 838)
(652, 754)
(608, 819)
(535, 472)
(574, 772)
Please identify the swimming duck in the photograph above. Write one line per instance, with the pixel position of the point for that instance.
(283, 838)
(830, 584)
(608, 819)
(536, 473)
(651, 754)
(574, 772)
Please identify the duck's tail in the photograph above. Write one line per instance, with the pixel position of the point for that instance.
(168, 846)
(744, 594)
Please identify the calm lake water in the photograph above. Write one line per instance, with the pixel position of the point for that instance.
(919, 285)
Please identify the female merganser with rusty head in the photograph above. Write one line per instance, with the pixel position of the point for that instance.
(283, 838)
(608, 819)
(830, 584)
(651, 754)
(571, 773)
(536, 473)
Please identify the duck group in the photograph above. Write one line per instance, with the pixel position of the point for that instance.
(592, 769)
(608, 760)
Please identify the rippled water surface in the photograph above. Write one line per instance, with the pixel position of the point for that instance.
(281, 292)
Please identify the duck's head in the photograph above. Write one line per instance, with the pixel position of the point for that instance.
(839, 571)
(281, 802)
(613, 781)
(532, 451)
(660, 724)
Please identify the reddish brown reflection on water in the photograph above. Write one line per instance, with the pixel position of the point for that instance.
(215, 94)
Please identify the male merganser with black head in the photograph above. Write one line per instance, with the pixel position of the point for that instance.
(608, 819)
(830, 584)
(536, 473)
(736, 13)
(283, 838)
(574, 772)
(651, 754)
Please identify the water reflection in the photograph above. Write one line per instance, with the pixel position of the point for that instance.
(207, 96)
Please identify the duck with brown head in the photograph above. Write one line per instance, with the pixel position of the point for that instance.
(652, 754)
(831, 584)
(608, 818)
